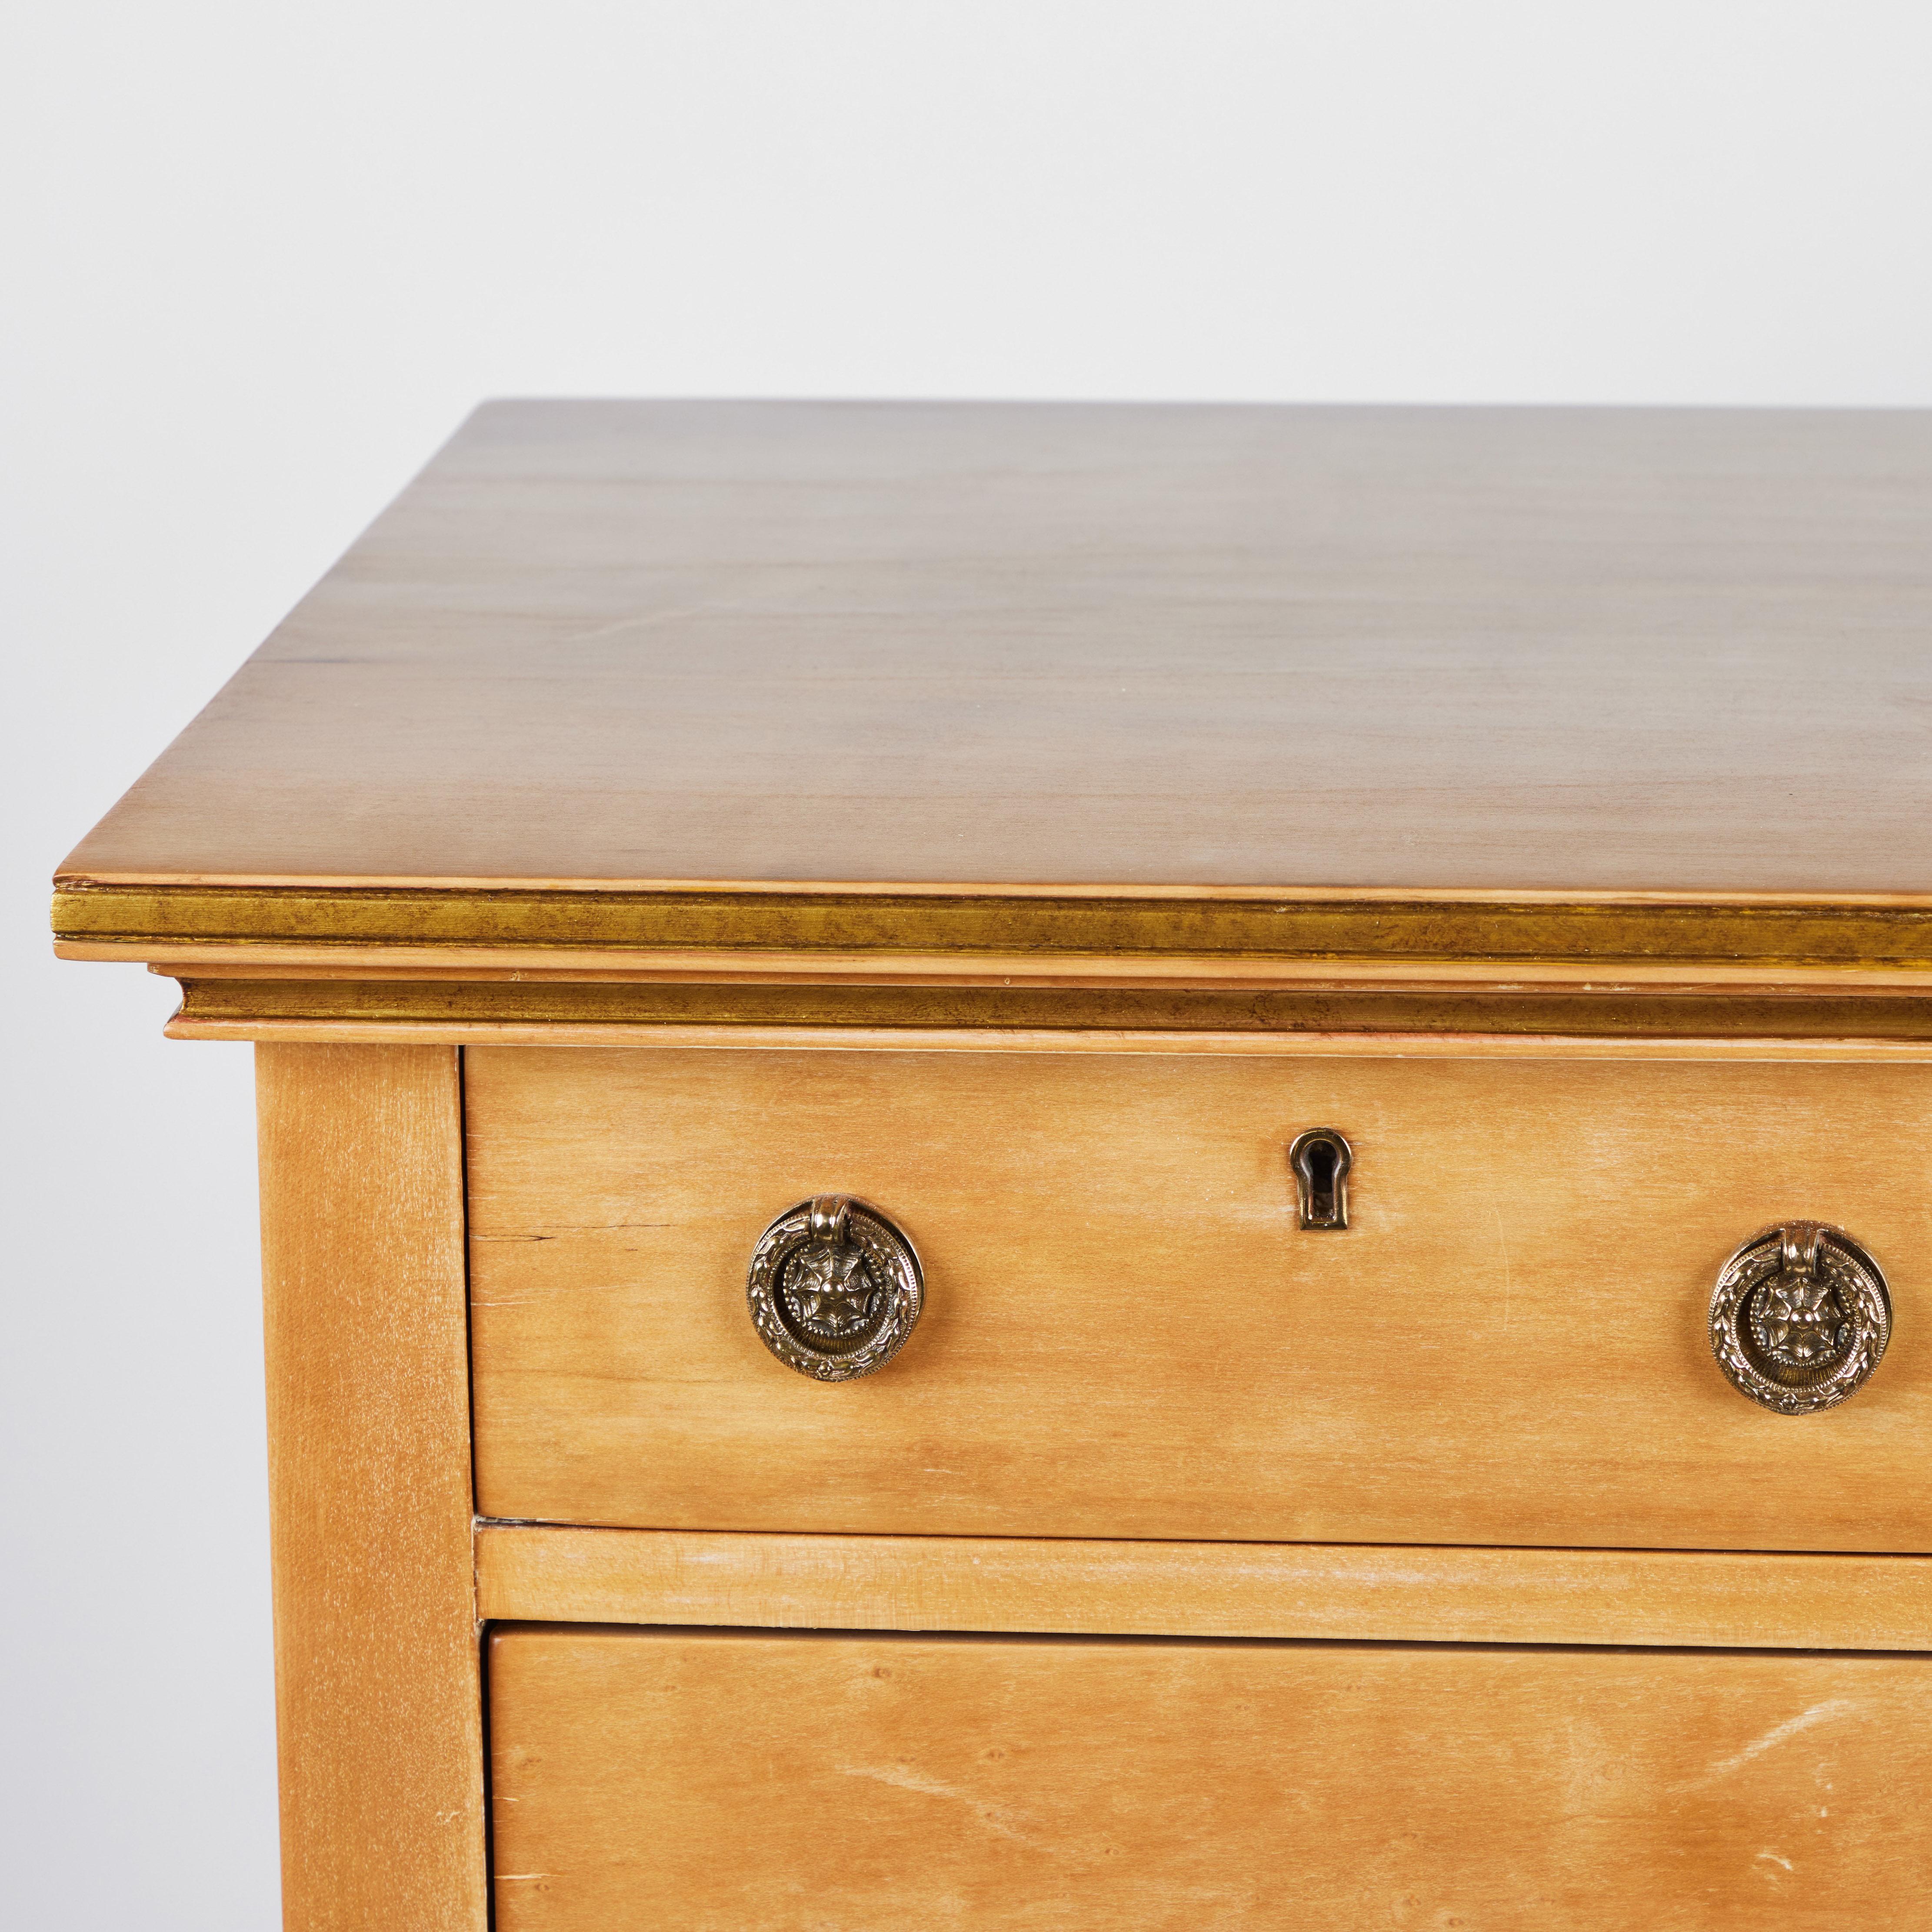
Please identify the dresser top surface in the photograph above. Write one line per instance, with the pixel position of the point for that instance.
(1492, 652)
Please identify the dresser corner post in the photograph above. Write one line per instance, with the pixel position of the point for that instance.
(378, 1691)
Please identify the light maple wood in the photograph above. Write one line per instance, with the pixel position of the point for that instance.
(715, 1781)
(377, 1688)
(1125, 1336)
(1501, 651)
(528, 1572)
(1229, 771)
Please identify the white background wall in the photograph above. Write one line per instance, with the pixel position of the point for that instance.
(258, 258)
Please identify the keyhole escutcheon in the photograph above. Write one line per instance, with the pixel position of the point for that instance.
(1320, 1159)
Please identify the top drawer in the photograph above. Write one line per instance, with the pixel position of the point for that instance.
(1126, 1334)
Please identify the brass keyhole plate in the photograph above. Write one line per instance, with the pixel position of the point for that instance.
(1320, 1159)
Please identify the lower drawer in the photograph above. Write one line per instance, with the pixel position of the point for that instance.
(714, 1780)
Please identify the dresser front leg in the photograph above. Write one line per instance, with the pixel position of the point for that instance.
(378, 1695)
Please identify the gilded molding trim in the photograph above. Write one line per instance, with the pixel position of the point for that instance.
(1602, 936)
(377, 1003)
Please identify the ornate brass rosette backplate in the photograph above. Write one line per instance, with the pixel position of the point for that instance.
(1800, 1317)
(835, 1288)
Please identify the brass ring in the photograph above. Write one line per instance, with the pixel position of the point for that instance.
(835, 1288)
(1800, 1318)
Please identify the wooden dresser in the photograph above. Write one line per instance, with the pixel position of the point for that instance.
(1102, 1169)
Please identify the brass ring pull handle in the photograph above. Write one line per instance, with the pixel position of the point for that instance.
(835, 1288)
(1800, 1317)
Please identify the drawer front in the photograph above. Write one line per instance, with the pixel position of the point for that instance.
(714, 1780)
(1125, 1332)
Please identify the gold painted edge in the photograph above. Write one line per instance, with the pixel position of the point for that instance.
(181, 961)
(916, 1018)
(1250, 1046)
(76, 877)
(938, 1008)
(1606, 936)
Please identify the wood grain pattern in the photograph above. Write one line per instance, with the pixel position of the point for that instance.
(715, 1781)
(530, 1574)
(1125, 1337)
(1501, 650)
(377, 1690)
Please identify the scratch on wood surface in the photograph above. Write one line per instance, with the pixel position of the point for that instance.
(1778, 1734)
(990, 1816)
(536, 1300)
(557, 1233)
(643, 618)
